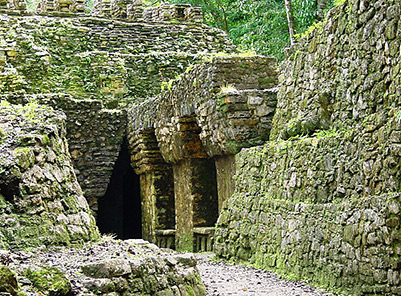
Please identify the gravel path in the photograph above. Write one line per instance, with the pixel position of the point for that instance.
(223, 279)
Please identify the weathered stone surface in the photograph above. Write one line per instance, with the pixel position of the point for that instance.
(321, 199)
(209, 111)
(213, 110)
(117, 61)
(109, 267)
(94, 134)
(41, 200)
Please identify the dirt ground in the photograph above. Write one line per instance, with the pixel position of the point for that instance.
(223, 279)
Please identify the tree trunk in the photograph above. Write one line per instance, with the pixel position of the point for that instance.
(321, 6)
(223, 10)
(290, 19)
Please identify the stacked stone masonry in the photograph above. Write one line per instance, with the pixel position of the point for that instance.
(114, 60)
(195, 126)
(114, 63)
(133, 10)
(321, 199)
(94, 136)
(41, 202)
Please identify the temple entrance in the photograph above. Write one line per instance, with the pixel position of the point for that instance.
(120, 209)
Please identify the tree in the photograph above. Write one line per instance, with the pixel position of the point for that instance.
(290, 19)
(321, 6)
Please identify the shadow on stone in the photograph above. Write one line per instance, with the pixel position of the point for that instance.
(120, 209)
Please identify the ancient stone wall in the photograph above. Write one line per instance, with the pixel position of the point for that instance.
(94, 137)
(113, 60)
(173, 12)
(321, 199)
(224, 98)
(41, 202)
(211, 111)
(116, 62)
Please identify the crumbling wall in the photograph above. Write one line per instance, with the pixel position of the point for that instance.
(94, 134)
(321, 199)
(194, 127)
(113, 64)
(41, 202)
(114, 60)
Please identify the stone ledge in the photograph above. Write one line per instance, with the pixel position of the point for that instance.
(112, 266)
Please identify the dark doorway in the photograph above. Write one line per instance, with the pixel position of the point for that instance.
(120, 209)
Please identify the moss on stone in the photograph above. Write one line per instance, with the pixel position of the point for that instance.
(8, 281)
(25, 157)
(50, 281)
(2, 135)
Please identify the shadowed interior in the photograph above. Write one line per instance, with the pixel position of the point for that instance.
(120, 209)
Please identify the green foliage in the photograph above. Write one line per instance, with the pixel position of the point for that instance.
(258, 25)
(31, 5)
(339, 2)
(49, 280)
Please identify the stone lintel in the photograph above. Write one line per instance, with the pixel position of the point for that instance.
(178, 139)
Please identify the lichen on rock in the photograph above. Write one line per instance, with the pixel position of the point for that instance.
(41, 200)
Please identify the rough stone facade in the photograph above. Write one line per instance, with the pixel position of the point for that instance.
(115, 62)
(94, 138)
(320, 200)
(196, 125)
(41, 202)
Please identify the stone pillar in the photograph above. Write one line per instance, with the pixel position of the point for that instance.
(194, 14)
(65, 5)
(157, 194)
(225, 168)
(119, 8)
(47, 6)
(156, 182)
(195, 199)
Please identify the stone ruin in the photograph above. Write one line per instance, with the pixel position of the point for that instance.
(117, 9)
(183, 144)
(317, 197)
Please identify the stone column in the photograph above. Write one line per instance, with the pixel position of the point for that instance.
(196, 203)
(119, 8)
(225, 167)
(102, 7)
(65, 5)
(157, 195)
(156, 182)
(14, 4)
(195, 186)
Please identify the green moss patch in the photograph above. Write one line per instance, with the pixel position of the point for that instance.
(50, 281)
(8, 281)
